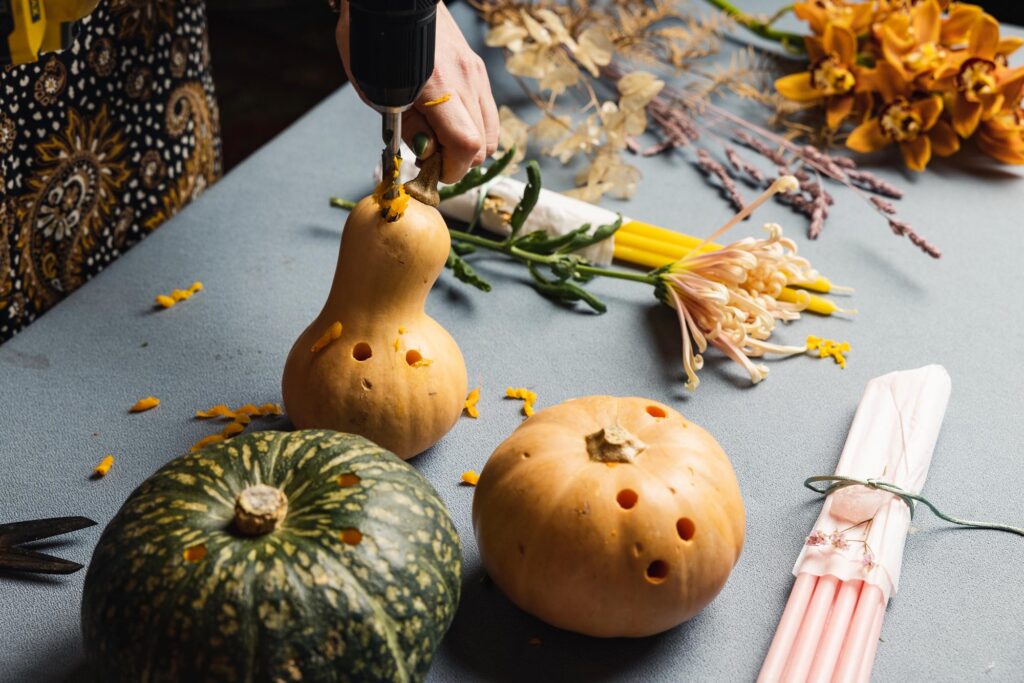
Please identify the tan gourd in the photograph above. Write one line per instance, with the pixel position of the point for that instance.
(609, 517)
(394, 375)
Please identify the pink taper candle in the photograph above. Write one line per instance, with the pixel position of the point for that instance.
(871, 602)
(807, 639)
(868, 662)
(835, 631)
(789, 625)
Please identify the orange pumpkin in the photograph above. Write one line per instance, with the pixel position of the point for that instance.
(609, 517)
(373, 362)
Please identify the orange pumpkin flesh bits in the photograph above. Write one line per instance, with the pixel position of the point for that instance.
(470, 477)
(144, 404)
(440, 100)
(333, 332)
(219, 410)
(525, 395)
(233, 429)
(177, 295)
(195, 553)
(101, 470)
(270, 409)
(471, 402)
(348, 479)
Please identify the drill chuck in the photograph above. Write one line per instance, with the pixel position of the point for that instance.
(391, 49)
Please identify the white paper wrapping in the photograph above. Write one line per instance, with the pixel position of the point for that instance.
(554, 213)
(891, 439)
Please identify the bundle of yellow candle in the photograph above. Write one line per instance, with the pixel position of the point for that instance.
(649, 246)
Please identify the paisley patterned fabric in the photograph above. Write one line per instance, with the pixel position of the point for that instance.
(99, 145)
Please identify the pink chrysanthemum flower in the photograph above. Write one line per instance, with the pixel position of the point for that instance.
(729, 298)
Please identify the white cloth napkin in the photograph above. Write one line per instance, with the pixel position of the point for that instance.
(891, 439)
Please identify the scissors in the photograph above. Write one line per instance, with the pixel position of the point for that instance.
(13, 558)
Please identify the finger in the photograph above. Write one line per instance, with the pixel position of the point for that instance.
(472, 105)
(455, 130)
(492, 122)
(413, 124)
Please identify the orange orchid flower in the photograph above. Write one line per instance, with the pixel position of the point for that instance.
(912, 124)
(911, 41)
(1002, 137)
(819, 14)
(830, 78)
(977, 87)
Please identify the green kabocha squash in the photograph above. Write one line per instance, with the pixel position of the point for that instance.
(303, 556)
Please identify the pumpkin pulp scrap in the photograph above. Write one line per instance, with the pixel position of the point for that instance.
(392, 207)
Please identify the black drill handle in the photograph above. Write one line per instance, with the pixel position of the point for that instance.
(391, 48)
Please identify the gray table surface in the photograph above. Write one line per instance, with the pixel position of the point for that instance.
(264, 243)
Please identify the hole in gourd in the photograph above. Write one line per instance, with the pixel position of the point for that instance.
(656, 411)
(367, 384)
(351, 536)
(412, 356)
(638, 549)
(525, 456)
(348, 479)
(362, 351)
(657, 571)
(627, 498)
(685, 528)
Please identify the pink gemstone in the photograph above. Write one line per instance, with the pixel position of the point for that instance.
(858, 503)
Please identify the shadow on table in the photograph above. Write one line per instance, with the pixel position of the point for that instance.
(493, 640)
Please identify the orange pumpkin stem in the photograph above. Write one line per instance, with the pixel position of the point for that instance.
(614, 444)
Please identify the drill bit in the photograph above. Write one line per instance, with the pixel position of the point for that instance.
(392, 134)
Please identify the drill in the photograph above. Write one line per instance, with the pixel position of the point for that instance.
(29, 28)
(391, 55)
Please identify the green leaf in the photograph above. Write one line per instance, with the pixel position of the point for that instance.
(477, 177)
(564, 290)
(464, 272)
(529, 200)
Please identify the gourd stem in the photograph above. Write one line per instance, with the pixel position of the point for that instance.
(259, 510)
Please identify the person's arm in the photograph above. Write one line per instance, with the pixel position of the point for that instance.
(466, 126)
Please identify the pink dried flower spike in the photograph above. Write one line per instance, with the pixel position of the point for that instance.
(817, 537)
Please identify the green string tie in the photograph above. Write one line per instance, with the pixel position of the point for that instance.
(911, 499)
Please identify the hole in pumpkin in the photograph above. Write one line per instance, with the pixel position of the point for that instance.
(656, 411)
(657, 571)
(195, 553)
(627, 498)
(348, 479)
(685, 528)
(638, 548)
(367, 384)
(412, 356)
(351, 536)
(525, 456)
(362, 351)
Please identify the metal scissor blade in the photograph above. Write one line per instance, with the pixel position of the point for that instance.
(21, 560)
(33, 530)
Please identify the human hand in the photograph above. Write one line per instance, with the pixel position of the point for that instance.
(466, 125)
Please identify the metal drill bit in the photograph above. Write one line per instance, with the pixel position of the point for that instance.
(392, 134)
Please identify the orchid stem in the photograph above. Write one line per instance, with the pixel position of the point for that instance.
(791, 42)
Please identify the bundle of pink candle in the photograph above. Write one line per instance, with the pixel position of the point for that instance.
(850, 563)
